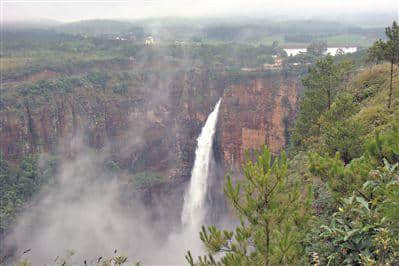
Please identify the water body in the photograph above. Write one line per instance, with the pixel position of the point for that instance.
(330, 50)
(194, 211)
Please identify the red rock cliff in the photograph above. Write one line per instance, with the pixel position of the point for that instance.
(155, 133)
(256, 113)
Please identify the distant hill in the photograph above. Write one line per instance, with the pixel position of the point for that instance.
(96, 27)
(241, 30)
(30, 24)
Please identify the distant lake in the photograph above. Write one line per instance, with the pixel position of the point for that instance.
(330, 50)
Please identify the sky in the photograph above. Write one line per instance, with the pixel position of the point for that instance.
(73, 10)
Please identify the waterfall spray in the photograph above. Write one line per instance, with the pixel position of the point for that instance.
(194, 199)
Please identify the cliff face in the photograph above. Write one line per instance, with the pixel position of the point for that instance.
(152, 129)
(256, 113)
(156, 131)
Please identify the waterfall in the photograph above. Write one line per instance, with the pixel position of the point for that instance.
(194, 199)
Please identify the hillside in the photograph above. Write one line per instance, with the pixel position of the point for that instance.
(368, 90)
(96, 27)
(335, 197)
(371, 88)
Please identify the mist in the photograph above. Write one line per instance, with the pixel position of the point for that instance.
(88, 213)
(139, 9)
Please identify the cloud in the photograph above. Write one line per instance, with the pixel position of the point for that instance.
(88, 9)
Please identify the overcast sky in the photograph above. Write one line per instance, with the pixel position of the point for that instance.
(72, 10)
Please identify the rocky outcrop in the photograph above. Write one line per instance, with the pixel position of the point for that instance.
(255, 113)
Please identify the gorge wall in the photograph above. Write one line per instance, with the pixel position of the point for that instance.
(154, 129)
(256, 113)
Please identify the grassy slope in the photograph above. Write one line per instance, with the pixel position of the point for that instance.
(374, 113)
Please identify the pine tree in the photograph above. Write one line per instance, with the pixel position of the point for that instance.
(317, 49)
(392, 51)
(320, 88)
(376, 53)
(388, 51)
(273, 213)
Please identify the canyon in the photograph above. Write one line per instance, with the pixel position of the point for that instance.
(145, 137)
(157, 130)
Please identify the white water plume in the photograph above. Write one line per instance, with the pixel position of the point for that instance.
(194, 199)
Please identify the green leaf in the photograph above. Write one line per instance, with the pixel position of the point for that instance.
(350, 234)
(363, 202)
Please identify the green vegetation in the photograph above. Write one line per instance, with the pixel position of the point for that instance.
(273, 213)
(99, 27)
(18, 185)
(40, 66)
(144, 180)
(245, 30)
(290, 33)
(363, 228)
(345, 145)
(322, 85)
(117, 260)
(389, 51)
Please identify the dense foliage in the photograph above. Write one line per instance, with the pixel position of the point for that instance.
(363, 228)
(322, 85)
(346, 144)
(18, 184)
(273, 212)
